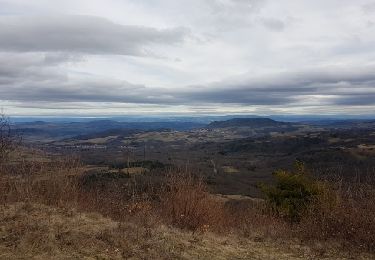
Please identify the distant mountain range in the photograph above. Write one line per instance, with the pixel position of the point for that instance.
(42, 130)
(247, 122)
(203, 119)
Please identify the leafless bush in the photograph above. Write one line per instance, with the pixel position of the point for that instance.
(251, 219)
(186, 203)
(350, 221)
(6, 140)
(51, 183)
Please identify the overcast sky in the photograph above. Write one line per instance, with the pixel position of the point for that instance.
(118, 57)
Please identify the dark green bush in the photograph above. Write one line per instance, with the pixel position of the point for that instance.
(293, 193)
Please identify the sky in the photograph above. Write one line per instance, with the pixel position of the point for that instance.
(154, 57)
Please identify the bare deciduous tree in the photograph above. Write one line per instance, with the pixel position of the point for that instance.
(6, 140)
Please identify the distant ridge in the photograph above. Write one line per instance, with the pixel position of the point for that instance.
(249, 122)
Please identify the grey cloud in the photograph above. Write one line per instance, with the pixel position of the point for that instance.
(56, 58)
(229, 15)
(369, 8)
(16, 68)
(273, 24)
(362, 99)
(342, 85)
(37, 79)
(235, 6)
(80, 34)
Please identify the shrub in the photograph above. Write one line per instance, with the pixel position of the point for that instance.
(293, 192)
(349, 222)
(186, 203)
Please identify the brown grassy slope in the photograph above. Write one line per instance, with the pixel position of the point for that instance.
(32, 231)
(244, 230)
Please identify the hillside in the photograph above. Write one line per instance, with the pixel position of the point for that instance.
(130, 194)
(247, 122)
(33, 231)
(61, 209)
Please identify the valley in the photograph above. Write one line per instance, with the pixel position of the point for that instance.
(234, 155)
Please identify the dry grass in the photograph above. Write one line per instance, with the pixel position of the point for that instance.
(350, 221)
(185, 202)
(108, 216)
(34, 231)
(51, 183)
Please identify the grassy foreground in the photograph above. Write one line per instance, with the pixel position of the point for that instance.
(34, 231)
(55, 209)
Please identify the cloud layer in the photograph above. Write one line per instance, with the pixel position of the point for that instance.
(80, 34)
(212, 56)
